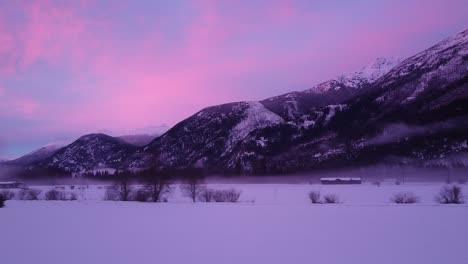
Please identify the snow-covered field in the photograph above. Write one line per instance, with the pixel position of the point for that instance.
(273, 223)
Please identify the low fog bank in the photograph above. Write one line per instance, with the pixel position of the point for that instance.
(14, 173)
(371, 174)
(394, 132)
(8, 172)
(63, 181)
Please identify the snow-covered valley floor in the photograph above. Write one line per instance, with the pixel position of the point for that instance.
(273, 223)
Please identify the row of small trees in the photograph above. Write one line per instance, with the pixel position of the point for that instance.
(56, 195)
(28, 194)
(195, 189)
(316, 198)
(34, 194)
(156, 188)
(447, 195)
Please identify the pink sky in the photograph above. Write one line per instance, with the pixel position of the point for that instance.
(74, 67)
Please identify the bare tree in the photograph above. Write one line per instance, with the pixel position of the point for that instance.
(53, 195)
(207, 195)
(111, 194)
(193, 187)
(157, 184)
(314, 197)
(121, 190)
(30, 194)
(229, 195)
(2, 201)
(331, 199)
(404, 198)
(141, 195)
(7, 195)
(450, 195)
(73, 196)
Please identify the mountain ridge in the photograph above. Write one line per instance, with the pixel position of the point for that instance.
(338, 123)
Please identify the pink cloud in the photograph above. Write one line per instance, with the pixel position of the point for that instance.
(283, 10)
(14, 105)
(7, 50)
(154, 86)
(50, 32)
(220, 50)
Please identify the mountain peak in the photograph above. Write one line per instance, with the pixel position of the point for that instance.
(377, 69)
(38, 154)
(95, 136)
(365, 76)
(425, 72)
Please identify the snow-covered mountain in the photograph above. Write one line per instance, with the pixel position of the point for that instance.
(372, 72)
(413, 110)
(295, 105)
(150, 130)
(428, 74)
(143, 136)
(37, 155)
(206, 137)
(417, 111)
(88, 153)
(138, 140)
(359, 79)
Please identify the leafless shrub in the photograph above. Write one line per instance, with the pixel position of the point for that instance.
(229, 195)
(7, 195)
(404, 198)
(72, 196)
(207, 195)
(55, 195)
(2, 201)
(158, 186)
(192, 187)
(29, 194)
(331, 199)
(111, 194)
(218, 196)
(232, 195)
(141, 195)
(122, 187)
(314, 197)
(450, 195)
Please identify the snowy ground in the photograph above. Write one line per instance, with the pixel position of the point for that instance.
(274, 223)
